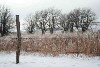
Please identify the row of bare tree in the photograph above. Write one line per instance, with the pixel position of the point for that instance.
(53, 19)
(49, 19)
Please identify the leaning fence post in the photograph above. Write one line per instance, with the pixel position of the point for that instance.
(19, 39)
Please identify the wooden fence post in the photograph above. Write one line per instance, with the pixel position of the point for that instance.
(19, 39)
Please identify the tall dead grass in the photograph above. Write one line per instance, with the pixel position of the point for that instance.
(89, 45)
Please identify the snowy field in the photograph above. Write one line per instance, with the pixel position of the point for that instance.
(35, 60)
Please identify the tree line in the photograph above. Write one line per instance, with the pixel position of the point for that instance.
(50, 19)
(53, 19)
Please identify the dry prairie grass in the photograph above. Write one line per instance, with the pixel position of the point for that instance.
(86, 44)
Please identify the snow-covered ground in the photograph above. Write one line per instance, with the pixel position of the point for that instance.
(31, 60)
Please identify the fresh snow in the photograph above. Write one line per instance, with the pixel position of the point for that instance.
(35, 60)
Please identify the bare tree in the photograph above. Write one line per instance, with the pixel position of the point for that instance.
(73, 18)
(38, 21)
(30, 24)
(87, 17)
(6, 20)
(81, 18)
(54, 19)
(64, 22)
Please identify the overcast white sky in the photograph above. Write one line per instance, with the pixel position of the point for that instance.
(25, 7)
